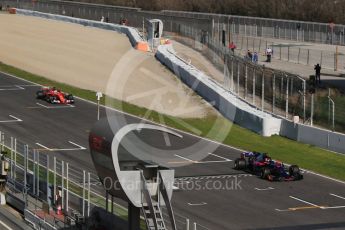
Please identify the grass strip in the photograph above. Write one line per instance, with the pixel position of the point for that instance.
(307, 156)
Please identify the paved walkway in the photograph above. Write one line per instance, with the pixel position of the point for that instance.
(329, 77)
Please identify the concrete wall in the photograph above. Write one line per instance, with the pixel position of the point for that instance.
(314, 136)
(227, 103)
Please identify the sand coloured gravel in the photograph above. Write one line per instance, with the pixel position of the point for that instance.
(85, 57)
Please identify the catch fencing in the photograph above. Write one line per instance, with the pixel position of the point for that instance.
(289, 52)
(210, 34)
(327, 33)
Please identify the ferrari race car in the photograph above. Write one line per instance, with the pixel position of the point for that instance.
(54, 96)
(262, 165)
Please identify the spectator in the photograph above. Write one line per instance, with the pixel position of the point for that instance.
(249, 55)
(0, 7)
(102, 19)
(317, 69)
(269, 54)
(255, 58)
(232, 46)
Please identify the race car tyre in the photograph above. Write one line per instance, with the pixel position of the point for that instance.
(51, 99)
(294, 170)
(240, 164)
(69, 97)
(265, 173)
(39, 94)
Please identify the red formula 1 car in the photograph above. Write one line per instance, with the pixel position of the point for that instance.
(54, 96)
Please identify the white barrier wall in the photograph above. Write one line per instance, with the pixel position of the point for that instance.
(227, 103)
(132, 33)
(314, 136)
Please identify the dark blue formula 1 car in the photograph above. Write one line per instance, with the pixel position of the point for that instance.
(262, 165)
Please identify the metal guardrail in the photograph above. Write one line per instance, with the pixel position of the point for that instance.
(81, 191)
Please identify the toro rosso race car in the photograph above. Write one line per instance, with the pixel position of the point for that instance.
(54, 96)
(262, 165)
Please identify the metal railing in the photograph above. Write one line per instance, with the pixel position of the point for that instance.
(80, 192)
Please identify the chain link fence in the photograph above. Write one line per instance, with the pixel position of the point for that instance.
(294, 53)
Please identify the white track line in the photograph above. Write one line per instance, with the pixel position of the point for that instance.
(199, 204)
(67, 149)
(181, 131)
(184, 158)
(17, 87)
(226, 159)
(5, 225)
(332, 194)
(16, 119)
(56, 107)
(201, 162)
(333, 207)
(264, 189)
(303, 201)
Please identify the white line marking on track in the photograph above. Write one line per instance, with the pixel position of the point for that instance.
(19, 87)
(333, 207)
(56, 107)
(264, 189)
(332, 194)
(15, 119)
(66, 149)
(5, 225)
(303, 201)
(11, 88)
(204, 162)
(197, 204)
(226, 159)
(181, 131)
(184, 158)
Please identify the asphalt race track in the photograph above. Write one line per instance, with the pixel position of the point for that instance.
(210, 192)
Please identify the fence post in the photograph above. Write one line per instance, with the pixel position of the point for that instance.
(232, 75)
(38, 173)
(83, 206)
(238, 78)
(289, 53)
(62, 184)
(280, 51)
(25, 173)
(287, 98)
(54, 191)
(336, 58)
(47, 167)
(254, 76)
(34, 172)
(187, 224)
(299, 53)
(67, 186)
(304, 95)
(245, 83)
(273, 92)
(312, 110)
(263, 91)
(15, 158)
(88, 195)
(12, 158)
(194, 226)
(308, 57)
